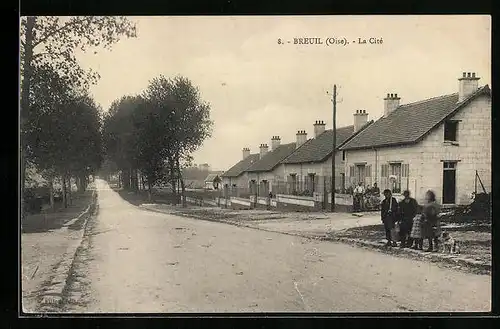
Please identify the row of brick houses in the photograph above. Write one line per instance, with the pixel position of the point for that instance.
(441, 143)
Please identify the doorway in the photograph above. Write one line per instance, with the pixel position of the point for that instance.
(449, 182)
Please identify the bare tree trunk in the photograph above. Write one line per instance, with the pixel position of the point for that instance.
(131, 178)
(25, 102)
(64, 190)
(150, 196)
(69, 190)
(183, 192)
(179, 175)
(51, 191)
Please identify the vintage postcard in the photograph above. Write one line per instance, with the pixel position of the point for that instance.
(214, 164)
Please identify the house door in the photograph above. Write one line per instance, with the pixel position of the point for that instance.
(449, 182)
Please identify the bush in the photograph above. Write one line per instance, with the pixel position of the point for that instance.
(32, 201)
(479, 209)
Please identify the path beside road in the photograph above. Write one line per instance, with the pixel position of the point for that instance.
(46, 246)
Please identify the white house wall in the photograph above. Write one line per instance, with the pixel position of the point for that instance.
(320, 169)
(240, 181)
(425, 158)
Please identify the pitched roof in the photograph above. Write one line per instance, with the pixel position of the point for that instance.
(273, 158)
(211, 177)
(241, 166)
(409, 123)
(319, 148)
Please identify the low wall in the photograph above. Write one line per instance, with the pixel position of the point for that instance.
(265, 203)
(223, 202)
(297, 203)
(240, 203)
(202, 203)
(284, 202)
(343, 202)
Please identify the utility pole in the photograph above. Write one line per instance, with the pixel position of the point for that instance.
(334, 133)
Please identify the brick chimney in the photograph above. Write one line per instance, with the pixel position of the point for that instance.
(301, 137)
(319, 128)
(246, 152)
(391, 102)
(467, 85)
(360, 119)
(275, 142)
(263, 150)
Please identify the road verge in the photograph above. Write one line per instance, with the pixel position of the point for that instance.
(53, 295)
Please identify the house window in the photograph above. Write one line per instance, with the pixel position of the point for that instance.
(395, 177)
(343, 155)
(360, 173)
(450, 131)
(312, 183)
(292, 184)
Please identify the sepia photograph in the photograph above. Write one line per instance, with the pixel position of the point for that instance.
(250, 164)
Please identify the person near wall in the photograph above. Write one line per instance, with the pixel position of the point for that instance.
(375, 190)
(389, 213)
(431, 229)
(359, 192)
(408, 210)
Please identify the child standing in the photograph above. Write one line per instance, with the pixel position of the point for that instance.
(416, 232)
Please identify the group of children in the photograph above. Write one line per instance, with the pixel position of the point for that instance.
(416, 222)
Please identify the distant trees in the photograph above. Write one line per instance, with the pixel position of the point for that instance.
(50, 76)
(156, 132)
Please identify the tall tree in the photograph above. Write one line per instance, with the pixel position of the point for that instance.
(52, 42)
(119, 134)
(64, 133)
(186, 120)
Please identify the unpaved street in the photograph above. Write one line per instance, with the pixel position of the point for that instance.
(141, 261)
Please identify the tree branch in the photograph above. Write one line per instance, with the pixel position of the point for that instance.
(62, 28)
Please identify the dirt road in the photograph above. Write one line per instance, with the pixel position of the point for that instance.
(142, 261)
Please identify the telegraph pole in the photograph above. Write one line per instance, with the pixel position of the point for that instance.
(334, 131)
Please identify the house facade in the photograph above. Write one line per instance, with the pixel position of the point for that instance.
(235, 179)
(309, 168)
(441, 144)
(264, 173)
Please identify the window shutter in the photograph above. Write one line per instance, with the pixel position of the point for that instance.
(384, 172)
(351, 171)
(405, 170)
(405, 176)
(368, 171)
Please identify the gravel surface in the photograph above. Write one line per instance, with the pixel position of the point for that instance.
(43, 247)
(142, 261)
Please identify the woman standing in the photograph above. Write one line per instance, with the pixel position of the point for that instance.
(431, 229)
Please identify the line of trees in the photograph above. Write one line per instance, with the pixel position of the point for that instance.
(61, 125)
(152, 135)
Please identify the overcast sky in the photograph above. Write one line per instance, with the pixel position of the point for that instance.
(258, 88)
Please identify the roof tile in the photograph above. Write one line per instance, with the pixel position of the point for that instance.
(319, 148)
(241, 166)
(273, 158)
(408, 123)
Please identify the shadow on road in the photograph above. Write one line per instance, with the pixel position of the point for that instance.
(48, 220)
(137, 198)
